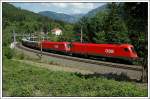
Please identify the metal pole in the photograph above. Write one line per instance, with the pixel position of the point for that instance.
(14, 36)
(23, 35)
(30, 35)
(81, 38)
(41, 44)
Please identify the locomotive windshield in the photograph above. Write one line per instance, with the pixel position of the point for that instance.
(132, 49)
(69, 45)
(126, 49)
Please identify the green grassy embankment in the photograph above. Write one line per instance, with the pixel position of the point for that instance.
(22, 79)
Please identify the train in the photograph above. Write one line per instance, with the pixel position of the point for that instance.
(113, 51)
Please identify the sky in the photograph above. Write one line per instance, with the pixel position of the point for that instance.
(67, 8)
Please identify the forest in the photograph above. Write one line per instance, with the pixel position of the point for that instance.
(119, 23)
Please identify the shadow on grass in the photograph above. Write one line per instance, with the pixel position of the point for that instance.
(113, 76)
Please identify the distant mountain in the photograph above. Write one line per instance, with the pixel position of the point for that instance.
(95, 11)
(61, 16)
(71, 18)
(78, 16)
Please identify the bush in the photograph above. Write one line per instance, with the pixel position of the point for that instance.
(9, 53)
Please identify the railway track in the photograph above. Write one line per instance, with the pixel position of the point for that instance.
(109, 64)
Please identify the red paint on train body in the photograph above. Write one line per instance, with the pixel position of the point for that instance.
(107, 50)
(58, 46)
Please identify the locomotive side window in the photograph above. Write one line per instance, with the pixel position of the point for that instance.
(126, 49)
(69, 45)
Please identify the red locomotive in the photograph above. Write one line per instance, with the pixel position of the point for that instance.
(120, 51)
(56, 46)
(104, 50)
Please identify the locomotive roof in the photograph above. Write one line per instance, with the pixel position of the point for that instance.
(24, 39)
(125, 45)
(54, 42)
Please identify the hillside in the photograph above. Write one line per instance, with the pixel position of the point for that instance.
(96, 10)
(61, 16)
(23, 21)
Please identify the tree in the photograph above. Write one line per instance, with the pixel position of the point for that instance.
(136, 16)
(100, 37)
(45, 29)
(114, 26)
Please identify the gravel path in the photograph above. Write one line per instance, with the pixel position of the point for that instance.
(85, 68)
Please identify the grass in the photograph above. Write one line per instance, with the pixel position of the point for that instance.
(20, 79)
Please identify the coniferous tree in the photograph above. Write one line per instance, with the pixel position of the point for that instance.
(114, 25)
(136, 16)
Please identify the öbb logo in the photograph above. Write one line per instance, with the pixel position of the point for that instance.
(109, 51)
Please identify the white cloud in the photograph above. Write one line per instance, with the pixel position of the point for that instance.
(76, 11)
(71, 5)
(61, 5)
(82, 5)
(90, 5)
(45, 4)
(76, 4)
(58, 5)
